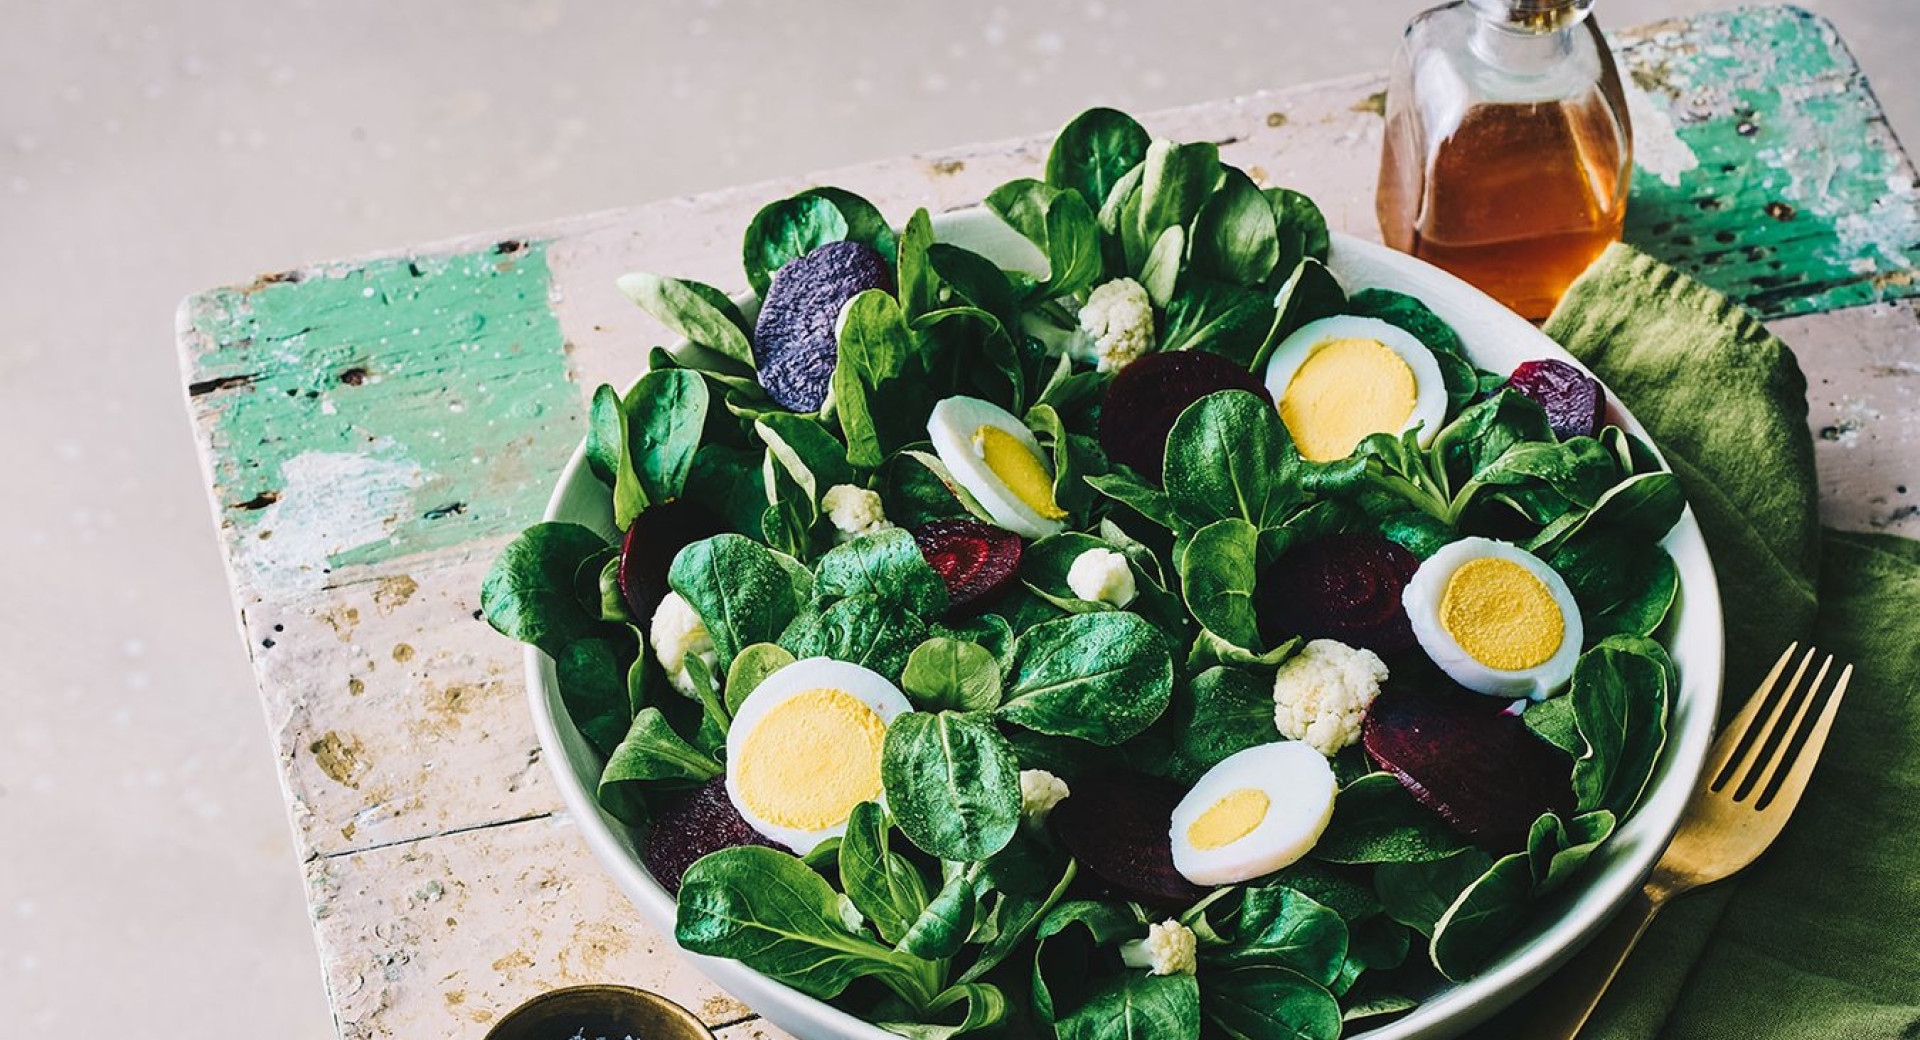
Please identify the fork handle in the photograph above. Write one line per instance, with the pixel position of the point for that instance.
(1577, 988)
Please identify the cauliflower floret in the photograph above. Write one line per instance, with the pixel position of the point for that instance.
(854, 512)
(1040, 791)
(678, 635)
(1168, 949)
(1103, 576)
(1119, 318)
(1321, 695)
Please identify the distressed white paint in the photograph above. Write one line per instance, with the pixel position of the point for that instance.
(330, 502)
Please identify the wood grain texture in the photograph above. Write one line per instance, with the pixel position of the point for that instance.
(373, 431)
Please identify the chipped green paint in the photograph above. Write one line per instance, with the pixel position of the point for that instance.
(375, 410)
(1798, 198)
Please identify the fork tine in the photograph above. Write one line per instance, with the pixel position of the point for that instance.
(1752, 755)
(1779, 755)
(1788, 791)
(1738, 734)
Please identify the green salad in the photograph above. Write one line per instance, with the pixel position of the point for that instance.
(1149, 637)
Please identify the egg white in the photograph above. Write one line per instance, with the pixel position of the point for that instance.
(1429, 387)
(951, 428)
(1300, 788)
(1422, 599)
(863, 684)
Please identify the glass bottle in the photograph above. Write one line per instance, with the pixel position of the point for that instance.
(1508, 148)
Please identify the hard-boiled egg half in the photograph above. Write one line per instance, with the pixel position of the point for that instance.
(1495, 618)
(995, 458)
(804, 749)
(1253, 813)
(1340, 380)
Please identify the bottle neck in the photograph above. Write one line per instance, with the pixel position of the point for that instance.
(1525, 38)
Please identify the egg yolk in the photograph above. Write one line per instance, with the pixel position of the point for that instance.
(813, 758)
(1348, 390)
(1019, 469)
(1229, 819)
(1501, 615)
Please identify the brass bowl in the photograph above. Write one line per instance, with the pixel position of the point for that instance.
(614, 1012)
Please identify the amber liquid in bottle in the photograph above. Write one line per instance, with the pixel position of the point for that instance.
(1517, 197)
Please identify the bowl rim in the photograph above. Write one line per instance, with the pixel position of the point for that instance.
(1578, 911)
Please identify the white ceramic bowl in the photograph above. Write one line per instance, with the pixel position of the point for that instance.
(1498, 340)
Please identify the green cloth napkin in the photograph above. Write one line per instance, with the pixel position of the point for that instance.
(1821, 939)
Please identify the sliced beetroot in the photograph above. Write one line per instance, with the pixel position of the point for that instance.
(1118, 825)
(1147, 396)
(654, 538)
(1574, 402)
(794, 346)
(978, 561)
(1345, 587)
(695, 823)
(1468, 760)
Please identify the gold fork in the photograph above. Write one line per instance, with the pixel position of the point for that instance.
(1753, 779)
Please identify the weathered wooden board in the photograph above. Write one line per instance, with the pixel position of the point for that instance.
(372, 432)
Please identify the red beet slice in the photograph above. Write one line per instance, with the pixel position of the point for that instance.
(1118, 826)
(1147, 396)
(1573, 400)
(794, 346)
(699, 821)
(977, 561)
(654, 538)
(1345, 587)
(1464, 757)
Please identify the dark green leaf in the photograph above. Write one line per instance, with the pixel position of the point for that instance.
(1281, 926)
(952, 783)
(859, 629)
(1482, 918)
(948, 674)
(787, 230)
(1218, 712)
(886, 566)
(1375, 820)
(1235, 238)
(1099, 677)
(1266, 1002)
(941, 929)
(1229, 456)
(738, 587)
(1223, 319)
(695, 310)
(652, 751)
(751, 665)
(767, 910)
(1218, 569)
(1417, 894)
(880, 882)
(665, 414)
(1620, 692)
(1094, 151)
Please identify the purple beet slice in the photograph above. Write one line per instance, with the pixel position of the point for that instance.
(794, 346)
(1574, 402)
(1345, 587)
(977, 561)
(697, 822)
(654, 538)
(1118, 825)
(1147, 396)
(1464, 757)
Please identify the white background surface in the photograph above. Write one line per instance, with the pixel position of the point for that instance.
(149, 148)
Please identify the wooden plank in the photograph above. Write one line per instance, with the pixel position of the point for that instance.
(1767, 169)
(1863, 378)
(438, 939)
(395, 711)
